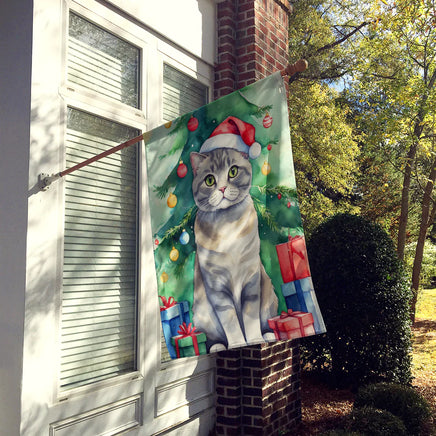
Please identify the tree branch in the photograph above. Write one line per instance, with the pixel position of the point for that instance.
(341, 40)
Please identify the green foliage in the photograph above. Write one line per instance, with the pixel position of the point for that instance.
(402, 401)
(370, 421)
(325, 153)
(364, 300)
(428, 267)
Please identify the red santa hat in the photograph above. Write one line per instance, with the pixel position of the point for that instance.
(233, 133)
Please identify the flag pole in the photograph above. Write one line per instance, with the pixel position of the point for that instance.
(293, 69)
(45, 180)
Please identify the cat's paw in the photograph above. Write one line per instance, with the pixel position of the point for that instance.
(217, 347)
(269, 337)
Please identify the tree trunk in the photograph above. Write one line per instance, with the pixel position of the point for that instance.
(426, 221)
(404, 214)
(417, 131)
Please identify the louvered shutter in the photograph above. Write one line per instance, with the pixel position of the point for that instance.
(100, 250)
(99, 288)
(181, 94)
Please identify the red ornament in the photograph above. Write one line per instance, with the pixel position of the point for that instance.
(182, 170)
(289, 204)
(267, 121)
(279, 196)
(156, 241)
(192, 124)
(269, 147)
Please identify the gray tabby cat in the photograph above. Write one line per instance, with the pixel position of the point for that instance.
(233, 295)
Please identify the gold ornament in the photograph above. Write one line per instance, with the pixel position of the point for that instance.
(164, 277)
(266, 168)
(172, 200)
(174, 254)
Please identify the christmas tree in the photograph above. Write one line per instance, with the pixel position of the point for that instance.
(170, 177)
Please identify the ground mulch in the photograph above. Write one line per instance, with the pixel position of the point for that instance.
(323, 407)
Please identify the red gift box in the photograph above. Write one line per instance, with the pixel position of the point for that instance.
(293, 259)
(292, 325)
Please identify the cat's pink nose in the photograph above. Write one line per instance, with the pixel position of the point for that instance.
(222, 189)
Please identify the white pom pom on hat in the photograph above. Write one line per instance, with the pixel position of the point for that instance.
(233, 133)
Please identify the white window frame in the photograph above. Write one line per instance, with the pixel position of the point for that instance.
(82, 99)
(153, 380)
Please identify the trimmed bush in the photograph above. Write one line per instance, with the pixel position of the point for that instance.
(364, 299)
(375, 422)
(402, 401)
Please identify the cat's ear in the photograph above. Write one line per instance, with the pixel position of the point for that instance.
(196, 159)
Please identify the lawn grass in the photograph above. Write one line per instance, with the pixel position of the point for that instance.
(424, 341)
(426, 304)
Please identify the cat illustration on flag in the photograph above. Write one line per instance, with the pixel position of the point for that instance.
(233, 295)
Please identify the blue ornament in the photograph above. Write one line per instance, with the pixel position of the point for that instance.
(184, 237)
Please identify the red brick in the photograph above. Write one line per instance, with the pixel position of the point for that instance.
(252, 44)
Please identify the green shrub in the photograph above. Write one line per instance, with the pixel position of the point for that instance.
(364, 298)
(402, 401)
(375, 422)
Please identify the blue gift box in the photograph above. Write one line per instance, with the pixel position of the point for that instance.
(300, 296)
(171, 319)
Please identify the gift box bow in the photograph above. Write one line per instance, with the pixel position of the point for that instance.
(186, 330)
(287, 314)
(167, 303)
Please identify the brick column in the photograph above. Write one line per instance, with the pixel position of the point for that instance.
(252, 42)
(258, 387)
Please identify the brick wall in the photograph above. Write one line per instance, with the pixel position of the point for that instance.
(252, 42)
(258, 387)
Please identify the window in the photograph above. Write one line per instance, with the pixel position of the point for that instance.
(101, 62)
(99, 291)
(181, 93)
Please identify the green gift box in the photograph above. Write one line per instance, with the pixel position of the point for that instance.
(189, 343)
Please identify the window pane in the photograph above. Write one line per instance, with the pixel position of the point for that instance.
(181, 94)
(102, 62)
(99, 304)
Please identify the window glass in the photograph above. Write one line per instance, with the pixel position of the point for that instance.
(102, 62)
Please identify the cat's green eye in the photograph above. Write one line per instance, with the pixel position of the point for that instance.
(209, 180)
(233, 171)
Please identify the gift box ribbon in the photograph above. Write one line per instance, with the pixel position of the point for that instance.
(187, 331)
(295, 239)
(167, 303)
(286, 314)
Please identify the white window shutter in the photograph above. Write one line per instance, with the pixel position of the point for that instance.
(100, 254)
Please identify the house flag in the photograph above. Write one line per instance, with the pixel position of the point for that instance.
(229, 248)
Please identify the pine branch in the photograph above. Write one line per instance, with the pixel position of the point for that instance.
(265, 214)
(162, 191)
(275, 190)
(187, 219)
(180, 122)
(260, 109)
